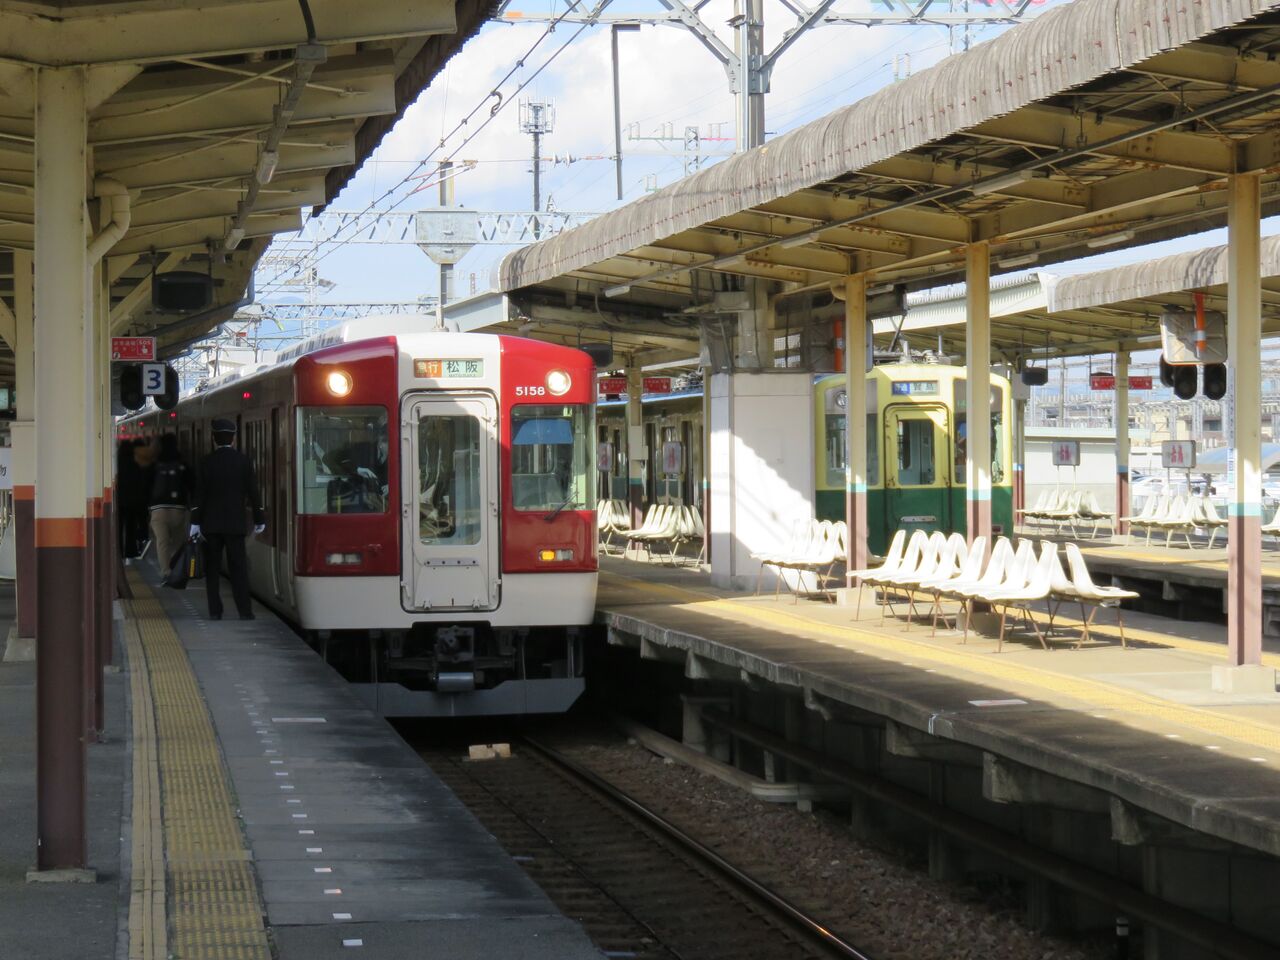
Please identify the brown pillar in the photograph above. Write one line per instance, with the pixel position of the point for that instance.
(24, 544)
(61, 292)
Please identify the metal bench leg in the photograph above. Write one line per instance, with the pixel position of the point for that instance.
(1124, 644)
(1004, 613)
(1036, 627)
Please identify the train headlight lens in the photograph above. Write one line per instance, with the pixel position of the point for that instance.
(558, 383)
(342, 559)
(338, 382)
(555, 556)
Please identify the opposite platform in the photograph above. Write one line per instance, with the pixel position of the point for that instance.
(292, 818)
(1142, 725)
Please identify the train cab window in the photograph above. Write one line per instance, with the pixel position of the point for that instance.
(838, 450)
(551, 463)
(342, 460)
(915, 452)
(450, 508)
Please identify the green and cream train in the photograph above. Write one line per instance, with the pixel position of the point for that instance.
(916, 430)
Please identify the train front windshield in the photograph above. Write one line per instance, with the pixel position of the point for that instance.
(342, 460)
(551, 463)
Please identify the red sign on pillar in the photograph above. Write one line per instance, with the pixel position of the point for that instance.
(657, 384)
(133, 348)
(611, 386)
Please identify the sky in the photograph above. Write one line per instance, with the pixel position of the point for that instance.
(669, 81)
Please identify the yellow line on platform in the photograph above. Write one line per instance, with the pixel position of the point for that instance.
(215, 909)
(147, 939)
(1047, 685)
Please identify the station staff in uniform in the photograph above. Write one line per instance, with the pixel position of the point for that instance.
(225, 490)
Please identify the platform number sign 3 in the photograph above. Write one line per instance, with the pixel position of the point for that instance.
(152, 379)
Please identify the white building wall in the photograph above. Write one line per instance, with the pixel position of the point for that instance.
(761, 465)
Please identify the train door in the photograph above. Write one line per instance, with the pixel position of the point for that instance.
(450, 504)
(917, 483)
(277, 526)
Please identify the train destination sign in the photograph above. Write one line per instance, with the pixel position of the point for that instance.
(915, 388)
(448, 369)
(133, 348)
(1106, 381)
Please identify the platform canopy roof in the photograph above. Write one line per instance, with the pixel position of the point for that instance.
(1038, 314)
(186, 97)
(1101, 123)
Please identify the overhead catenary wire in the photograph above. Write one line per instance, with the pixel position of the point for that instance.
(358, 222)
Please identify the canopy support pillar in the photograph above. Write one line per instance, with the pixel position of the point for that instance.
(977, 262)
(23, 438)
(636, 454)
(855, 418)
(1244, 365)
(1122, 440)
(62, 463)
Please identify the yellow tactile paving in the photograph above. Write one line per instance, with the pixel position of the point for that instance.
(1050, 686)
(214, 909)
(147, 939)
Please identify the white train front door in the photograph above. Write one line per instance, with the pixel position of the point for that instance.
(450, 504)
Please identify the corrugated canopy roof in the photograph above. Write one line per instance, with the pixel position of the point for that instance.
(1100, 119)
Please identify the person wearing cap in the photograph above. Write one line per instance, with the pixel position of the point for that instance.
(225, 488)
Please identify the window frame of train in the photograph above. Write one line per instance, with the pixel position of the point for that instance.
(938, 505)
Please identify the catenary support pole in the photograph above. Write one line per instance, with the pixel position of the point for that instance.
(60, 291)
(1122, 440)
(1244, 333)
(855, 414)
(23, 438)
(978, 392)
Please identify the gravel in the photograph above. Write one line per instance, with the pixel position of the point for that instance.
(880, 899)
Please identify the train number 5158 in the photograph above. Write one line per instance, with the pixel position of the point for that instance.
(531, 391)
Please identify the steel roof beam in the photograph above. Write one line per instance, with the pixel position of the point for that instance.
(1051, 128)
(59, 34)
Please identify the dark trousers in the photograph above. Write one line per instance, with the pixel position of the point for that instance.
(215, 545)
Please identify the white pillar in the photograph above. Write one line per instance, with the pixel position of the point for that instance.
(855, 413)
(61, 393)
(978, 391)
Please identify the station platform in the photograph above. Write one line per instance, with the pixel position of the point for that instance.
(267, 813)
(1142, 725)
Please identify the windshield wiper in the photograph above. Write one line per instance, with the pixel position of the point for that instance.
(559, 509)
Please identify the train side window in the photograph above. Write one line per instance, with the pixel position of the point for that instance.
(342, 460)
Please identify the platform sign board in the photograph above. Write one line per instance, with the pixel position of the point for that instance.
(611, 386)
(657, 384)
(133, 349)
(1107, 381)
(1178, 454)
(672, 458)
(152, 379)
(6, 468)
(1066, 453)
(604, 457)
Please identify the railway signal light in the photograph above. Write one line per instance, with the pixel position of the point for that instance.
(1215, 380)
(131, 396)
(1185, 377)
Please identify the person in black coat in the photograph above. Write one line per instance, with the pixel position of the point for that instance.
(225, 487)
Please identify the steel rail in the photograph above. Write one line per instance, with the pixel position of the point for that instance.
(794, 914)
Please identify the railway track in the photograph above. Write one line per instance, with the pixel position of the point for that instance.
(640, 887)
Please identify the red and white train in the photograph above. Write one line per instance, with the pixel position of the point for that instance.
(430, 506)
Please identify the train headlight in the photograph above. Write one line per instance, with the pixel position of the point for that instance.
(338, 382)
(558, 383)
(555, 556)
